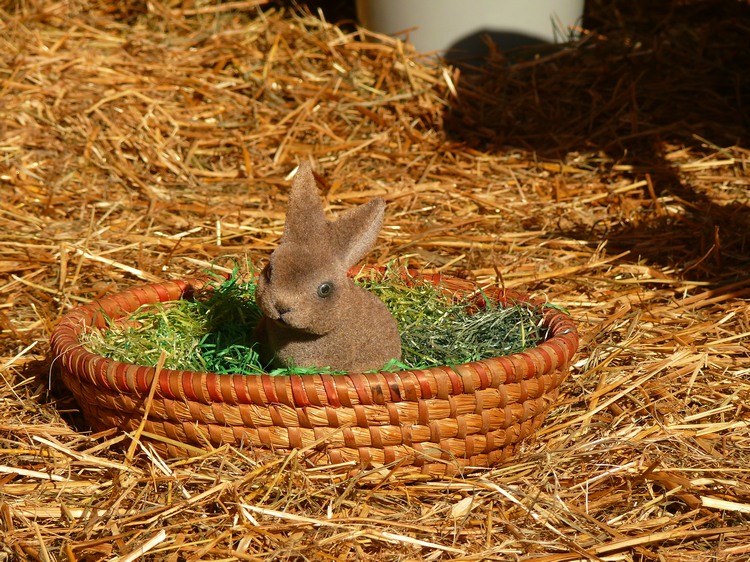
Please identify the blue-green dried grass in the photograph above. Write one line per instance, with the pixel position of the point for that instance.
(436, 328)
(212, 333)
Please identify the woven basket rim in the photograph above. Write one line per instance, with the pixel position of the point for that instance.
(561, 343)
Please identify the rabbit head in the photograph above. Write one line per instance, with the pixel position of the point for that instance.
(314, 315)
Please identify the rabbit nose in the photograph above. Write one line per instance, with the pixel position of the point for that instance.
(283, 311)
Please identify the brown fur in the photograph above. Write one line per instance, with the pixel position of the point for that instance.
(350, 329)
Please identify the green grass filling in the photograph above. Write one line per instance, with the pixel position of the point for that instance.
(213, 331)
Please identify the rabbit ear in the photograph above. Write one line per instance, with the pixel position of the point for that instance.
(356, 231)
(305, 215)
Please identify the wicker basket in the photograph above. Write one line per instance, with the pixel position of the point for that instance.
(434, 421)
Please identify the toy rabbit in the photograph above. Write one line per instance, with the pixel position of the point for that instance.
(313, 314)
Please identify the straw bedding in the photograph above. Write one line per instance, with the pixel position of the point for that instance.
(144, 142)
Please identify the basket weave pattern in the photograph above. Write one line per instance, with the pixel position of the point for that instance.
(434, 421)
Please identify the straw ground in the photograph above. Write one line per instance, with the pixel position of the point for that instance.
(147, 141)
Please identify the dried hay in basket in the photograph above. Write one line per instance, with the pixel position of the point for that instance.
(140, 141)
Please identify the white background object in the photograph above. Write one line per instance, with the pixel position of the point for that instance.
(442, 23)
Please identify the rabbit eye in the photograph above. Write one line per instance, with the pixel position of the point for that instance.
(268, 271)
(325, 290)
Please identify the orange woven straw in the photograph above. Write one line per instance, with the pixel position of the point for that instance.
(435, 421)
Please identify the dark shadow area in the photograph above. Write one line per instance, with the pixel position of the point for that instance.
(469, 52)
(343, 13)
(51, 390)
(646, 75)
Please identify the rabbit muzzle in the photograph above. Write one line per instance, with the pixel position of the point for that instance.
(290, 318)
(285, 319)
(281, 314)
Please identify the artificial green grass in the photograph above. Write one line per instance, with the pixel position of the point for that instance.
(213, 331)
